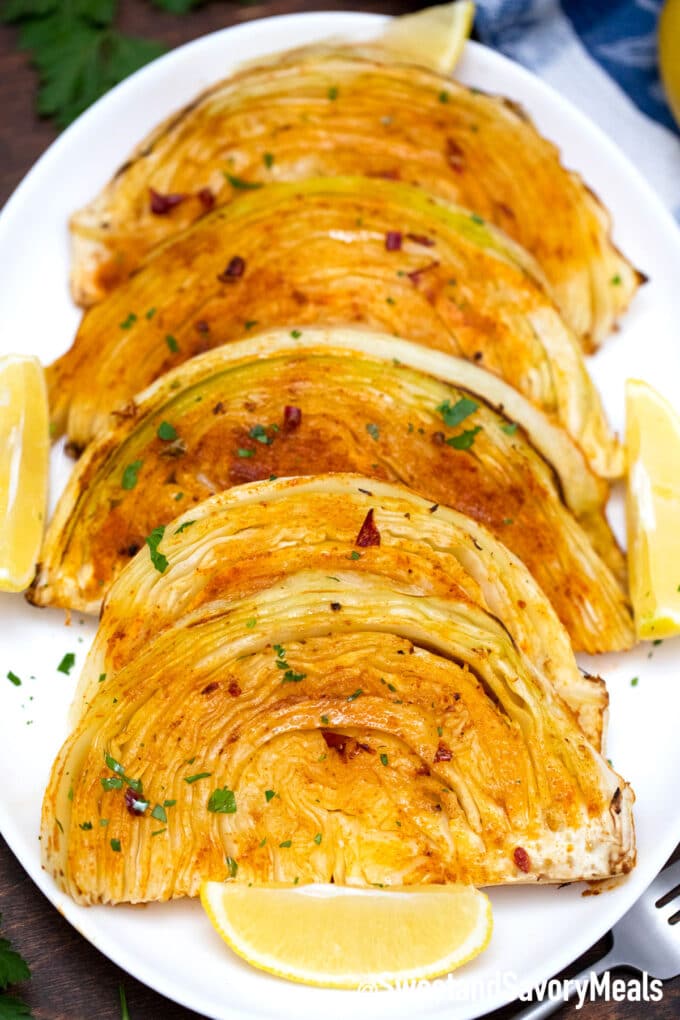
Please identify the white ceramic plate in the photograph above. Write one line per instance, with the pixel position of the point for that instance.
(171, 947)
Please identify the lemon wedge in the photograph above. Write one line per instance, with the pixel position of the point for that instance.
(342, 937)
(669, 53)
(653, 510)
(24, 463)
(434, 37)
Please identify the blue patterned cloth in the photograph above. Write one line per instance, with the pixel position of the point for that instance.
(601, 54)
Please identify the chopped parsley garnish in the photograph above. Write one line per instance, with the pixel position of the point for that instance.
(357, 694)
(13, 678)
(178, 496)
(269, 795)
(290, 676)
(391, 687)
(67, 663)
(296, 333)
(476, 219)
(465, 440)
(354, 555)
(153, 540)
(509, 428)
(129, 322)
(167, 432)
(250, 323)
(259, 432)
(183, 527)
(317, 838)
(373, 431)
(103, 821)
(102, 678)
(242, 452)
(196, 777)
(115, 845)
(383, 759)
(114, 765)
(286, 843)
(85, 826)
(169, 803)
(443, 97)
(508, 520)
(453, 415)
(159, 832)
(616, 280)
(112, 783)
(332, 92)
(129, 479)
(150, 313)
(159, 813)
(172, 343)
(635, 681)
(222, 801)
(268, 160)
(232, 867)
(324, 720)
(239, 184)
(262, 841)
(251, 622)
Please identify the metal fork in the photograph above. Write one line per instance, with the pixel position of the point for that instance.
(646, 938)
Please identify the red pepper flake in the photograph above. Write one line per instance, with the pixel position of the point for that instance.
(235, 269)
(202, 326)
(292, 416)
(161, 205)
(415, 274)
(210, 688)
(234, 689)
(443, 753)
(206, 198)
(455, 156)
(368, 533)
(133, 802)
(347, 747)
(521, 859)
(438, 438)
(393, 240)
(427, 242)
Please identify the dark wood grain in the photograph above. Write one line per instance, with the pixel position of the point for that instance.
(72, 980)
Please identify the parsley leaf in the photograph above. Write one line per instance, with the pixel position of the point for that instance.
(167, 432)
(240, 185)
(153, 540)
(13, 678)
(129, 479)
(465, 440)
(67, 663)
(13, 968)
(454, 414)
(222, 801)
(78, 53)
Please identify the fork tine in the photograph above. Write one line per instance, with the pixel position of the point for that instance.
(665, 881)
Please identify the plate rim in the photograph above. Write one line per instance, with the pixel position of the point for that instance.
(110, 945)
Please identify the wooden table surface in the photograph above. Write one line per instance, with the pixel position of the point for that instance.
(72, 980)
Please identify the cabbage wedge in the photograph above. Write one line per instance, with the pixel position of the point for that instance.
(250, 531)
(305, 401)
(335, 251)
(349, 722)
(327, 113)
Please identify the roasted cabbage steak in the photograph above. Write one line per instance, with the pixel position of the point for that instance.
(348, 721)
